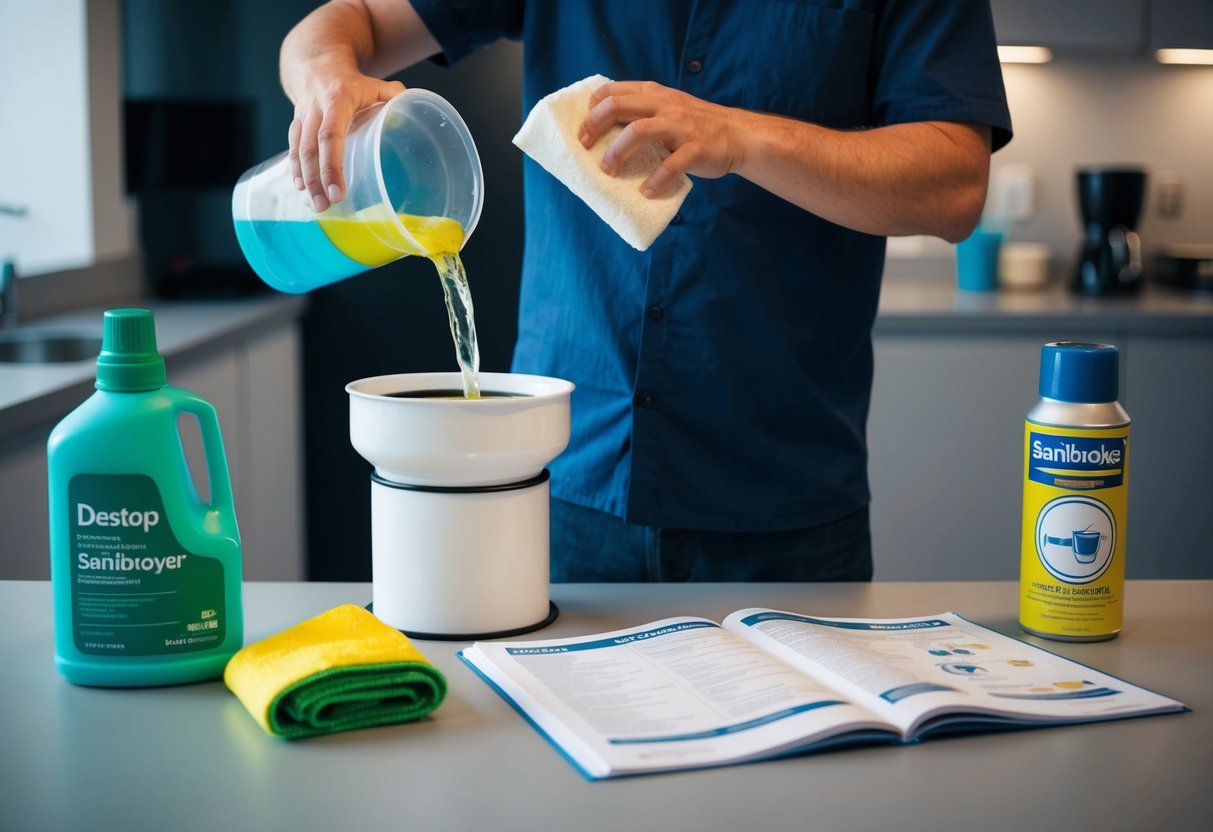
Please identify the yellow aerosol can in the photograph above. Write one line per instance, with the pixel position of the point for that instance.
(1075, 497)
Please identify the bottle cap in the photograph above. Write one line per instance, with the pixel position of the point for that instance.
(1079, 373)
(129, 360)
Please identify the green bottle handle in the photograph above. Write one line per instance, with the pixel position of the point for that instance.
(212, 446)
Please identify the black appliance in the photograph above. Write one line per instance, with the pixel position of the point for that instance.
(1185, 266)
(183, 156)
(1109, 260)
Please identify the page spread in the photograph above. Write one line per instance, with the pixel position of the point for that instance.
(688, 692)
(942, 670)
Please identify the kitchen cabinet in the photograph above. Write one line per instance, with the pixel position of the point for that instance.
(255, 389)
(1181, 24)
(1169, 396)
(1071, 24)
(23, 505)
(945, 432)
(945, 439)
(252, 379)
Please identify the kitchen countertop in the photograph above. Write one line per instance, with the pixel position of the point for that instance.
(31, 394)
(191, 758)
(936, 306)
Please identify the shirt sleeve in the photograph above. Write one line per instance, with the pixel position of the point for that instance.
(938, 61)
(463, 26)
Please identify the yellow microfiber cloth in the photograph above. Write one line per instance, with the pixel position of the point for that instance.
(343, 669)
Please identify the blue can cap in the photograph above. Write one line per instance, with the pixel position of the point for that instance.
(1079, 373)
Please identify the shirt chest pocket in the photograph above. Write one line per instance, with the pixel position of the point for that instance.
(810, 62)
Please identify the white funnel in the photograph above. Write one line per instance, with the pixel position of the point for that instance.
(459, 499)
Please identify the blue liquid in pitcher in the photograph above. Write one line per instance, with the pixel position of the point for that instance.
(292, 255)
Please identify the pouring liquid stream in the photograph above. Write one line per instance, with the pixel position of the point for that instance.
(463, 320)
(374, 240)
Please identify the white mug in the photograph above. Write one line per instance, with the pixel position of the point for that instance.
(1023, 265)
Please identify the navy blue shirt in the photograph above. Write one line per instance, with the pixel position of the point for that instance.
(723, 376)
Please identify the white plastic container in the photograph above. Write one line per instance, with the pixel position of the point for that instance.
(410, 167)
(145, 573)
(1023, 266)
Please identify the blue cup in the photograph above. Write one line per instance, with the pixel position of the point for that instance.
(977, 261)
(1086, 545)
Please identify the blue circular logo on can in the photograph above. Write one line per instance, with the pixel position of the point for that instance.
(1075, 538)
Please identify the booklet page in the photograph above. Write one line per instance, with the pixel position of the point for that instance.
(916, 668)
(673, 694)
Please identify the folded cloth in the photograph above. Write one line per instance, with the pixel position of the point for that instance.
(343, 669)
(549, 136)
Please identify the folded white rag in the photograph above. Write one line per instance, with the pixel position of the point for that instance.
(549, 136)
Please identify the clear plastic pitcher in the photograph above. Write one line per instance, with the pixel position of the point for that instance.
(413, 186)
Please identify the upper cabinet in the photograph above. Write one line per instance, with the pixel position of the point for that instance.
(1138, 26)
(1071, 24)
(1181, 24)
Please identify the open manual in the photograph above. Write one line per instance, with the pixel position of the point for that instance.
(690, 693)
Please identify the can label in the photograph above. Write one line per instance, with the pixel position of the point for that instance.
(1072, 559)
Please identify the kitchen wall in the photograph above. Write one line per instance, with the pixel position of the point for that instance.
(1106, 111)
(61, 201)
(1091, 110)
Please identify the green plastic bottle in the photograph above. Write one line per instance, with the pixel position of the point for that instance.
(145, 575)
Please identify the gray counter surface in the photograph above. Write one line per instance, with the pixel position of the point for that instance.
(35, 393)
(909, 305)
(191, 758)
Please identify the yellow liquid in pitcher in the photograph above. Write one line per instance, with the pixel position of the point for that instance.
(372, 238)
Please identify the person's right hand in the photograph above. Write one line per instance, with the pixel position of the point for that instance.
(324, 110)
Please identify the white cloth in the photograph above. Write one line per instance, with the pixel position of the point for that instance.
(549, 136)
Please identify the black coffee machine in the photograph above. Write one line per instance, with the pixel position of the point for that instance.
(1109, 261)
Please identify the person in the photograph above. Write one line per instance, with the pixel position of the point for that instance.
(723, 375)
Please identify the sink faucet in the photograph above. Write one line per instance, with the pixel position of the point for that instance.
(10, 309)
(9, 306)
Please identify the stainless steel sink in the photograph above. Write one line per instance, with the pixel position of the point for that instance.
(49, 345)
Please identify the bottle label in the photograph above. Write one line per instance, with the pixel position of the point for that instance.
(136, 591)
(1072, 555)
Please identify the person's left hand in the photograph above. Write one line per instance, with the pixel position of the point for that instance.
(700, 136)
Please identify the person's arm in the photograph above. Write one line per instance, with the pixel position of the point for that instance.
(919, 178)
(330, 66)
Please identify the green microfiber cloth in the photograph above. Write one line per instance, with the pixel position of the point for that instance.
(343, 669)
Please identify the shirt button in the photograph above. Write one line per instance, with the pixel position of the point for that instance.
(656, 313)
(694, 65)
(646, 400)
(676, 219)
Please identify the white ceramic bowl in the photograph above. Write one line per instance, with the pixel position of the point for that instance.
(1023, 266)
(457, 441)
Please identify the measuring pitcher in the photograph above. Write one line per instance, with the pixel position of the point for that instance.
(414, 186)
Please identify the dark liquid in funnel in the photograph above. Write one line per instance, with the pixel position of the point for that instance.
(453, 394)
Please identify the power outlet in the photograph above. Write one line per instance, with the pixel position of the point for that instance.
(1013, 193)
(1168, 196)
